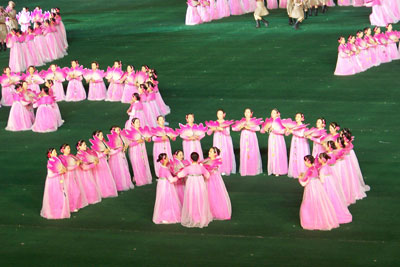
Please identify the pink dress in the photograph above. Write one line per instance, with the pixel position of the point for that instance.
(327, 178)
(8, 88)
(76, 194)
(372, 47)
(32, 50)
(223, 8)
(55, 197)
(283, 4)
(204, 11)
(17, 60)
(129, 88)
(75, 89)
(357, 170)
(20, 118)
(104, 178)
(41, 45)
(330, 3)
(250, 157)
(298, 149)
(382, 50)
(151, 98)
(33, 82)
(358, 3)
(357, 186)
(136, 111)
(161, 146)
(356, 58)
(196, 208)
(116, 87)
(365, 56)
(384, 12)
(190, 146)
(151, 117)
(344, 2)
(29, 56)
(272, 4)
(235, 7)
(223, 141)
(178, 165)
(85, 176)
(277, 154)
(213, 10)
(46, 118)
(97, 88)
(391, 38)
(165, 110)
(344, 64)
(58, 78)
(218, 197)
(316, 211)
(167, 207)
(342, 171)
(192, 15)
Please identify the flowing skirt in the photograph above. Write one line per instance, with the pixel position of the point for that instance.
(224, 143)
(165, 110)
(104, 179)
(167, 208)
(158, 148)
(140, 164)
(7, 95)
(218, 197)
(298, 149)
(20, 118)
(120, 171)
(223, 8)
(97, 91)
(75, 91)
(192, 16)
(250, 157)
(91, 189)
(114, 92)
(58, 91)
(129, 90)
(192, 146)
(277, 155)
(46, 120)
(76, 194)
(55, 199)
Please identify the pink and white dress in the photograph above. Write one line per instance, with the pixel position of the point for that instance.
(129, 87)
(8, 88)
(192, 15)
(392, 38)
(116, 86)
(21, 116)
(283, 4)
(165, 110)
(97, 88)
(58, 78)
(356, 58)
(277, 155)
(85, 175)
(161, 137)
(46, 117)
(272, 4)
(382, 50)
(191, 135)
(75, 89)
(151, 117)
(204, 10)
(344, 64)
(17, 60)
(298, 149)
(167, 207)
(176, 165)
(223, 8)
(136, 111)
(366, 59)
(196, 208)
(33, 81)
(372, 48)
(41, 45)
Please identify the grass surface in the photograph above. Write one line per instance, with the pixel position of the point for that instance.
(224, 64)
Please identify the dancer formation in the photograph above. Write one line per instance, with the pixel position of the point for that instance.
(365, 50)
(384, 11)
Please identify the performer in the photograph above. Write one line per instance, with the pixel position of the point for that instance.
(8, 81)
(12, 17)
(192, 15)
(177, 164)
(315, 135)
(94, 77)
(114, 77)
(33, 79)
(75, 89)
(129, 88)
(3, 29)
(56, 75)
(46, 117)
(259, 12)
(191, 134)
(136, 111)
(161, 137)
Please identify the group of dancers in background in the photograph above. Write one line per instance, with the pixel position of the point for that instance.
(365, 50)
(384, 11)
(331, 173)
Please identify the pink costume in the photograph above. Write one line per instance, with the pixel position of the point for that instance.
(59, 45)
(28, 54)
(392, 37)
(167, 207)
(136, 111)
(178, 165)
(129, 87)
(85, 175)
(316, 211)
(32, 50)
(235, 7)
(151, 98)
(151, 117)
(21, 116)
(97, 88)
(218, 197)
(365, 56)
(161, 136)
(165, 110)
(330, 3)
(46, 118)
(272, 4)
(41, 45)
(382, 50)
(213, 10)
(358, 3)
(138, 155)
(223, 8)
(344, 65)
(250, 157)
(339, 204)
(118, 162)
(357, 184)
(223, 140)
(191, 136)
(101, 172)
(192, 15)
(8, 88)
(196, 208)
(298, 149)
(372, 48)
(356, 58)
(204, 10)
(357, 170)
(75, 89)
(57, 77)
(342, 171)
(383, 12)
(116, 87)
(344, 2)
(17, 60)
(283, 4)
(55, 197)
(61, 30)
(50, 43)
(33, 81)
(277, 155)
(76, 194)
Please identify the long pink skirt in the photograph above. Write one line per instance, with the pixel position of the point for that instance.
(192, 16)
(356, 168)
(204, 13)
(316, 211)
(283, 4)
(140, 164)
(250, 157)
(298, 149)
(7, 95)
(20, 119)
(158, 148)
(218, 197)
(76, 194)
(104, 179)
(272, 4)
(129, 90)
(114, 92)
(41, 48)
(55, 199)
(75, 91)
(46, 120)
(383, 54)
(196, 208)
(277, 155)
(165, 110)
(224, 143)
(167, 208)
(58, 91)
(358, 189)
(34, 87)
(393, 52)
(180, 188)
(97, 91)
(17, 60)
(223, 8)
(151, 117)
(344, 66)
(347, 185)
(213, 10)
(120, 171)
(235, 7)
(192, 146)
(86, 179)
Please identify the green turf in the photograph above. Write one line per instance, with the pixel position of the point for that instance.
(229, 64)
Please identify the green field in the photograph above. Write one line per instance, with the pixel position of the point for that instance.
(224, 64)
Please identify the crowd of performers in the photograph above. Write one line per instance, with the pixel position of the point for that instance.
(37, 44)
(384, 11)
(190, 189)
(365, 50)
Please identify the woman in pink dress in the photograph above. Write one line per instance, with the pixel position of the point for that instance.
(204, 10)
(299, 148)
(167, 207)
(55, 197)
(192, 15)
(75, 90)
(151, 117)
(235, 7)
(315, 135)
(21, 116)
(382, 42)
(76, 194)
(344, 64)
(137, 152)
(129, 87)
(151, 98)
(117, 160)
(355, 55)
(277, 154)
(223, 8)
(61, 27)
(40, 43)
(213, 10)
(161, 136)
(316, 211)
(153, 84)
(48, 34)
(30, 44)
(97, 88)
(372, 46)
(8, 81)
(56, 75)
(17, 60)
(59, 43)
(333, 133)
(46, 119)
(136, 111)
(87, 161)
(223, 140)
(114, 77)
(33, 79)
(218, 197)
(29, 56)
(196, 208)
(102, 173)
(272, 4)
(191, 134)
(392, 38)
(177, 164)
(366, 58)
(327, 178)
(250, 157)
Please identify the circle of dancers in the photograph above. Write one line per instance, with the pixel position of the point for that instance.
(190, 189)
(364, 50)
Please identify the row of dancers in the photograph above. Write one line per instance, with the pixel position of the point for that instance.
(42, 43)
(384, 11)
(26, 18)
(365, 50)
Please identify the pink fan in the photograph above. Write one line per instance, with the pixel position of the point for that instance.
(171, 133)
(238, 125)
(199, 130)
(114, 141)
(300, 127)
(131, 134)
(212, 124)
(146, 132)
(288, 123)
(314, 132)
(97, 144)
(226, 123)
(140, 77)
(55, 165)
(185, 130)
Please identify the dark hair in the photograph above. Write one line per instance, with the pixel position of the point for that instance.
(133, 120)
(248, 109)
(277, 110)
(95, 133)
(62, 147)
(309, 158)
(324, 156)
(220, 109)
(79, 143)
(331, 144)
(322, 119)
(31, 66)
(187, 115)
(341, 141)
(50, 82)
(95, 62)
(48, 154)
(194, 156)
(30, 28)
(161, 157)
(137, 96)
(160, 116)
(113, 127)
(46, 90)
(18, 85)
(176, 152)
(216, 150)
(335, 125)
